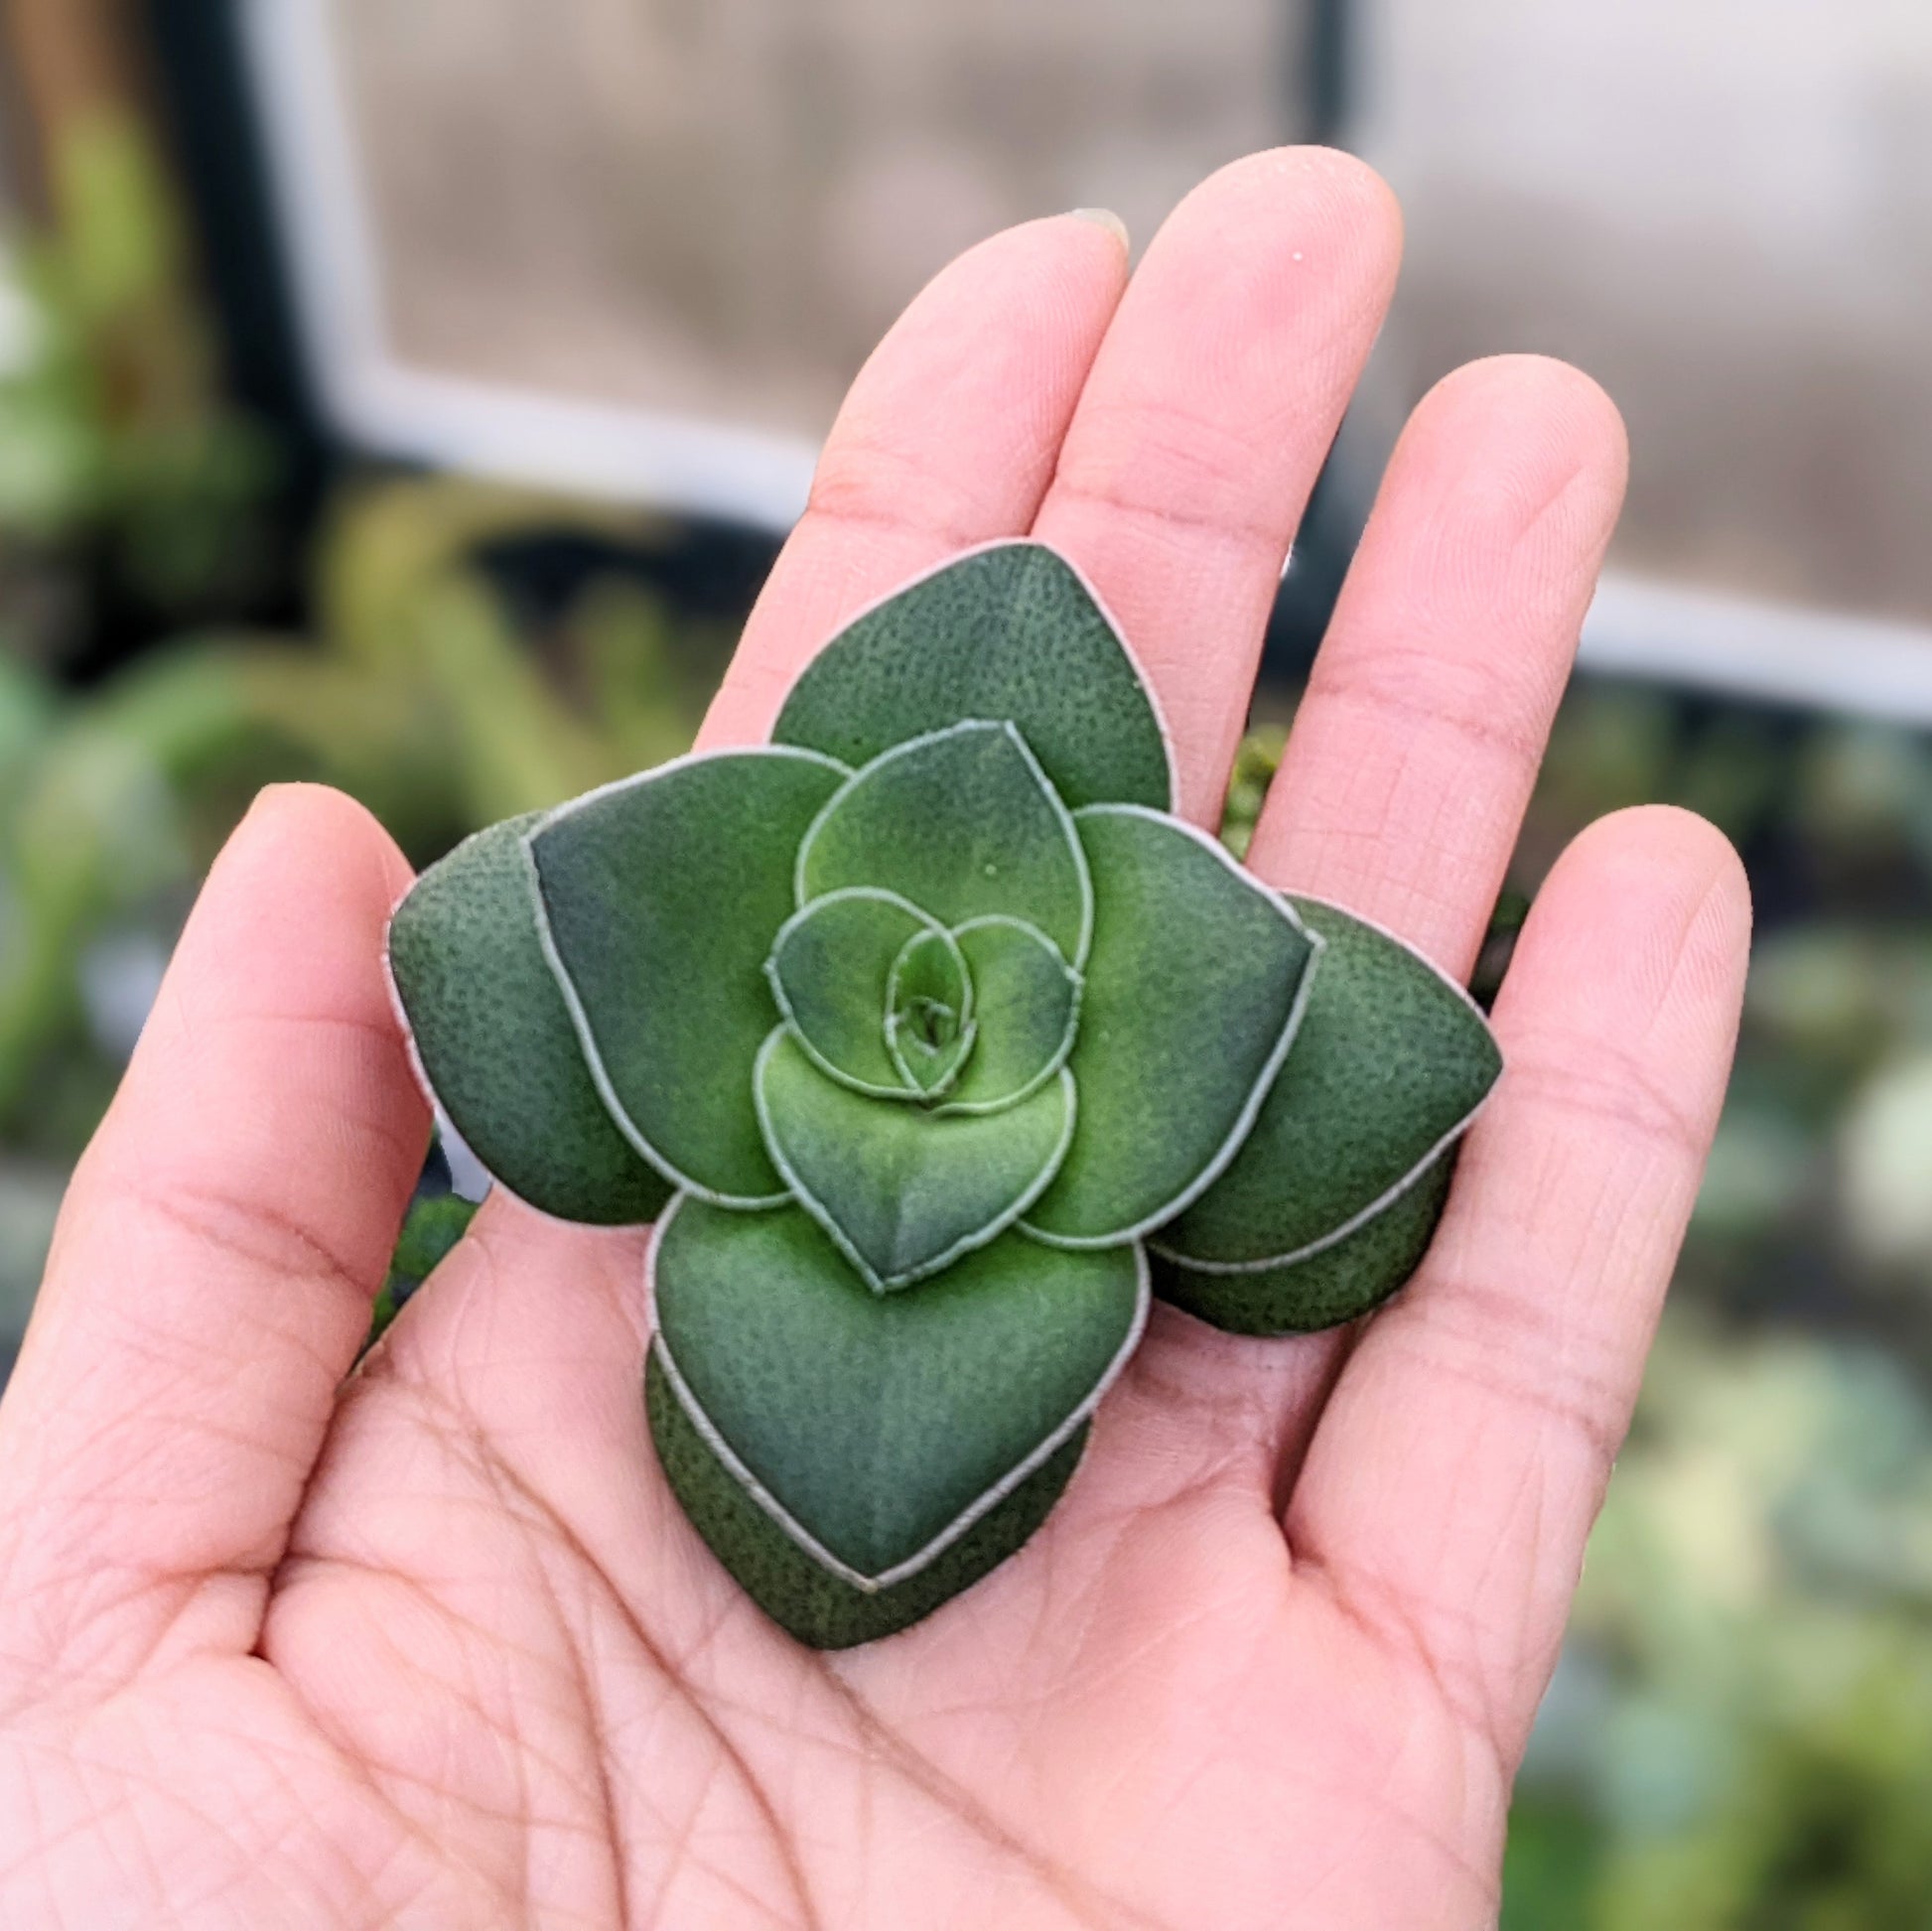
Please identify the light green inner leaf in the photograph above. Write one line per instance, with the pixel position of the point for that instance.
(904, 1190)
(878, 1429)
(1193, 990)
(961, 823)
(930, 1024)
(831, 971)
(1391, 1063)
(663, 896)
(496, 1042)
(1007, 632)
(1025, 1004)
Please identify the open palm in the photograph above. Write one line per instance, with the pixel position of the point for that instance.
(433, 1646)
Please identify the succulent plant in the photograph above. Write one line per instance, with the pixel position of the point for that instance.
(935, 1044)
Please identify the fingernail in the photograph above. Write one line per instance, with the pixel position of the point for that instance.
(1105, 217)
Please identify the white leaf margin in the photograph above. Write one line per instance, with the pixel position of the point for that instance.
(969, 1243)
(579, 1019)
(1414, 1177)
(427, 1087)
(981, 1506)
(1271, 1068)
(1056, 805)
(1148, 691)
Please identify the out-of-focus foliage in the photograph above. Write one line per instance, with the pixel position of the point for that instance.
(422, 697)
(126, 480)
(1740, 1735)
(433, 1226)
(122, 472)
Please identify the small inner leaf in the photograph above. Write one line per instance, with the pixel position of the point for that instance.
(832, 970)
(1026, 1007)
(962, 823)
(929, 1027)
(904, 1190)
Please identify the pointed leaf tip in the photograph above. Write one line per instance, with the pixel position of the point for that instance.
(876, 1429)
(1010, 631)
(1195, 988)
(962, 823)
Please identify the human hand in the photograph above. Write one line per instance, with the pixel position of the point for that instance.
(433, 1646)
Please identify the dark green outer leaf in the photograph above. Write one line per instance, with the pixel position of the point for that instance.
(810, 1603)
(1010, 631)
(663, 896)
(875, 1430)
(1195, 988)
(1391, 1065)
(494, 1038)
(1335, 1284)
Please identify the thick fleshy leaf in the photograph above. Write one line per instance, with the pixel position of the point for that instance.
(877, 1429)
(1008, 631)
(1335, 1284)
(496, 1041)
(807, 1600)
(662, 897)
(904, 1190)
(962, 823)
(930, 1012)
(831, 971)
(1195, 988)
(1392, 1062)
(1026, 1005)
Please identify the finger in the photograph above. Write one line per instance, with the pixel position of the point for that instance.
(946, 440)
(1415, 747)
(1456, 1473)
(1209, 410)
(216, 1258)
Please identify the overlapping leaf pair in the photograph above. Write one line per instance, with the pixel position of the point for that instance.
(934, 1043)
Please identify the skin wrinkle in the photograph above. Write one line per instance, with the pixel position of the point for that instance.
(128, 1784)
(1074, 1894)
(1385, 688)
(749, 1781)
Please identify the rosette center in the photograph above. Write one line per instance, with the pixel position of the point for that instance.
(930, 1012)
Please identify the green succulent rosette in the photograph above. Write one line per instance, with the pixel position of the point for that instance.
(934, 1043)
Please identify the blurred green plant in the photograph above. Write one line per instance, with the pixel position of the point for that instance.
(1741, 1733)
(115, 443)
(422, 698)
(433, 1226)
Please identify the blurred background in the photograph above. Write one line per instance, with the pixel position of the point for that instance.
(413, 397)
